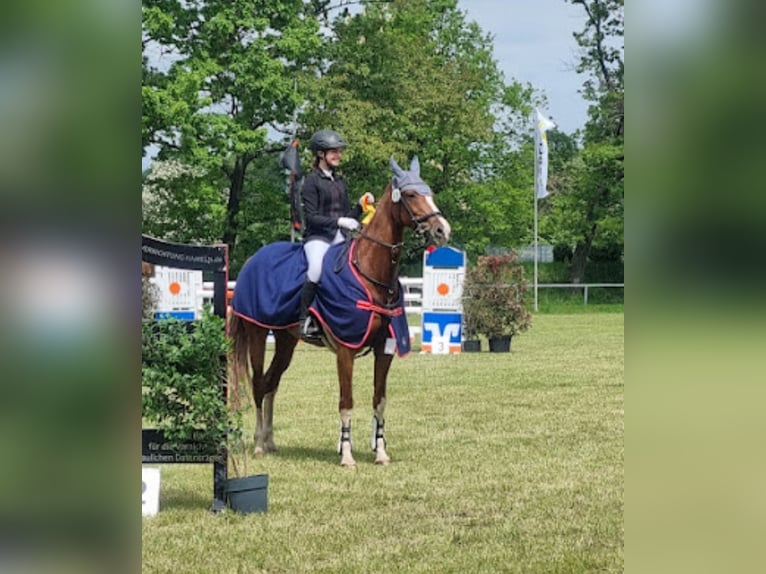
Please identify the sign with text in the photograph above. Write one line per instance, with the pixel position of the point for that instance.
(156, 449)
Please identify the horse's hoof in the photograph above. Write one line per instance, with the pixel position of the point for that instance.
(382, 459)
(259, 451)
(351, 464)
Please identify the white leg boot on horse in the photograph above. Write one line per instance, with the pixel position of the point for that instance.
(344, 442)
(378, 442)
(382, 365)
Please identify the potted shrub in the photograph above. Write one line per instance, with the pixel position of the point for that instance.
(494, 299)
(183, 374)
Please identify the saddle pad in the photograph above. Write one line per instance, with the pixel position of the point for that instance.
(269, 286)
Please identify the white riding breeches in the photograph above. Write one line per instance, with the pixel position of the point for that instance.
(315, 250)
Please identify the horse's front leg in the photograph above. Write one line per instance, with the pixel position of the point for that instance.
(382, 365)
(345, 359)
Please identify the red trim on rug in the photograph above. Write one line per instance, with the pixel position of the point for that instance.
(264, 325)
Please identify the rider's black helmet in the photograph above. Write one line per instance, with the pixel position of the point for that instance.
(326, 139)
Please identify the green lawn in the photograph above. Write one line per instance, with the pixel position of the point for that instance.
(501, 463)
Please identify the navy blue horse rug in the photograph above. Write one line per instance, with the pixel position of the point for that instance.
(269, 288)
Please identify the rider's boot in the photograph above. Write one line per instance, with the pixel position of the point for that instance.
(309, 328)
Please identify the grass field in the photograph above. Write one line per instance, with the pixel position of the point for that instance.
(501, 463)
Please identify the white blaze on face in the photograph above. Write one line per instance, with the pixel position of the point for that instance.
(443, 223)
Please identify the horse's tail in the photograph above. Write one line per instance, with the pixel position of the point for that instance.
(239, 354)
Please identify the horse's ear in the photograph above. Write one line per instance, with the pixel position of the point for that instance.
(415, 166)
(397, 171)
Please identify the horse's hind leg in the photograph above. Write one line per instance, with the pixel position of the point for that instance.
(256, 337)
(378, 443)
(283, 354)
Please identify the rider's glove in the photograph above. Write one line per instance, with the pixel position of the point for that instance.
(348, 223)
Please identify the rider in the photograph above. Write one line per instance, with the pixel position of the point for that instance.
(326, 212)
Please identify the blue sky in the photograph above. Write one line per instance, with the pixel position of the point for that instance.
(533, 43)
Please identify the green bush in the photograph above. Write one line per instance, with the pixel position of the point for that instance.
(494, 297)
(183, 378)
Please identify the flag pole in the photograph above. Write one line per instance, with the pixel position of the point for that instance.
(290, 177)
(534, 198)
(542, 124)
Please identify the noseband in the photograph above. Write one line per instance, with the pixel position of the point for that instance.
(417, 222)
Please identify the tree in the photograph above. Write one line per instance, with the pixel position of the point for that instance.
(265, 210)
(588, 208)
(217, 75)
(221, 78)
(413, 77)
(602, 59)
(180, 204)
(592, 213)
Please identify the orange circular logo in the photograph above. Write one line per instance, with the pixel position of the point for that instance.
(174, 288)
(442, 288)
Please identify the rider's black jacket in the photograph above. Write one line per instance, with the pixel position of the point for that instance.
(325, 199)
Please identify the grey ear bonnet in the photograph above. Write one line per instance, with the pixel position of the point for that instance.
(409, 179)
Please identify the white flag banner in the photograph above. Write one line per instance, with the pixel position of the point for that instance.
(541, 160)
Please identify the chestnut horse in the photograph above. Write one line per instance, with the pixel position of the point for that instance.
(375, 256)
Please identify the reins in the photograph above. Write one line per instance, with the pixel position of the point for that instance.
(396, 250)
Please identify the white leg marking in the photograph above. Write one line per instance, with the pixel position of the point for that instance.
(344, 446)
(378, 444)
(258, 437)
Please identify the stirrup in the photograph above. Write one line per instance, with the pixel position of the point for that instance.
(310, 329)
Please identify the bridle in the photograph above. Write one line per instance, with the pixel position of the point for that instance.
(396, 249)
(417, 222)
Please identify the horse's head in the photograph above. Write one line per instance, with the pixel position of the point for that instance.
(417, 206)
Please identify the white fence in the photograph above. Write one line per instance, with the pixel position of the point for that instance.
(413, 291)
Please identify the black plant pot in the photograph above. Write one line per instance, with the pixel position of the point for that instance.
(472, 346)
(248, 494)
(500, 344)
